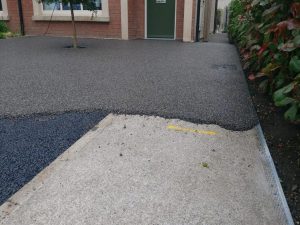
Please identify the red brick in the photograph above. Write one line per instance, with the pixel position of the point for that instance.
(111, 29)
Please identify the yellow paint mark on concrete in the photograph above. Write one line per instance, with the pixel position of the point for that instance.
(177, 128)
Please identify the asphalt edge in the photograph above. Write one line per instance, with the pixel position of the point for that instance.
(273, 175)
(23, 194)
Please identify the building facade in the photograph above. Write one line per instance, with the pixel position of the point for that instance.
(207, 17)
(120, 19)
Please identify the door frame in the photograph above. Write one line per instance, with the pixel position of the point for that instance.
(146, 27)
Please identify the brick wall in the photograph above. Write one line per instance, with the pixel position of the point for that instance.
(112, 29)
(14, 22)
(179, 19)
(136, 18)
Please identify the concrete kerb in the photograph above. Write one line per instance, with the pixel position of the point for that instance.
(270, 169)
(269, 166)
(272, 175)
(29, 189)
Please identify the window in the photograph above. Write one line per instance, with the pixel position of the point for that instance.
(3, 10)
(51, 6)
(77, 6)
(61, 11)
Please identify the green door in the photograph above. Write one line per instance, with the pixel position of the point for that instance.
(160, 18)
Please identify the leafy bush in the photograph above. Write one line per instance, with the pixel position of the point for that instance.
(3, 27)
(267, 33)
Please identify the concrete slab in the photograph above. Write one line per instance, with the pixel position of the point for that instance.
(149, 170)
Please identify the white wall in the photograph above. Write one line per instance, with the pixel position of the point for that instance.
(202, 10)
(212, 18)
(223, 3)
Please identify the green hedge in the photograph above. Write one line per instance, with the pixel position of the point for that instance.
(3, 30)
(3, 27)
(267, 33)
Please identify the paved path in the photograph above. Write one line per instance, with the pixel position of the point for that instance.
(197, 82)
(137, 170)
(219, 38)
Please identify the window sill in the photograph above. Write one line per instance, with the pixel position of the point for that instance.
(68, 18)
(6, 18)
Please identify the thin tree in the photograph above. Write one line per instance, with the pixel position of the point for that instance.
(88, 5)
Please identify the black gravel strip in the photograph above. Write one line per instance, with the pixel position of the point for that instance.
(28, 145)
(198, 82)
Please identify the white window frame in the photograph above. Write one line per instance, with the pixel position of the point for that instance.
(64, 15)
(4, 12)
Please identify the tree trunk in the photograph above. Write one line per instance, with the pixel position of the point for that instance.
(75, 41)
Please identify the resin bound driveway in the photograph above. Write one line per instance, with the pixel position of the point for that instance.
(131, 169)
(200, 83)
